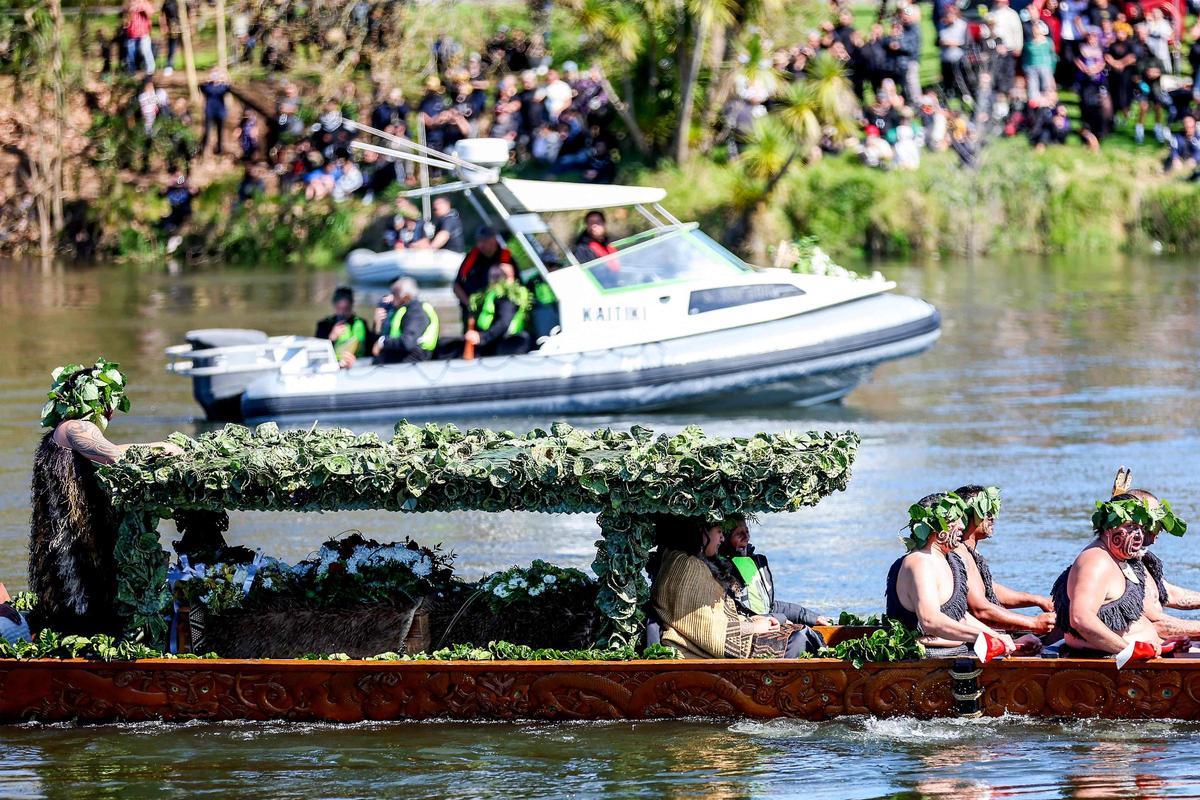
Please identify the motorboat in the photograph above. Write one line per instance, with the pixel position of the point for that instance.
(670, 319)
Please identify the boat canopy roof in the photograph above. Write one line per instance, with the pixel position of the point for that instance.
(625, 476)
(440, 468)
(543, 197)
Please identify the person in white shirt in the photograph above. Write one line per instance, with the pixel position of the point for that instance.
(558, 95)
(1159, 33)
(1006, 25)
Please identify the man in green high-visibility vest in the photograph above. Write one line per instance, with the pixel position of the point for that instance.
(348, 331)
(409, 326)
(757, 590)
(501, 312)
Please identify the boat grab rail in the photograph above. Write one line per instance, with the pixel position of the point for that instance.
(277, 352)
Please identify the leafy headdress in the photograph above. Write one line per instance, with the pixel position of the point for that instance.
(983, 504)
(1118, 511)
(92, 395)
(926, 521)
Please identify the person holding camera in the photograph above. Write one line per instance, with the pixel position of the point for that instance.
(347, 330)
(408, 326)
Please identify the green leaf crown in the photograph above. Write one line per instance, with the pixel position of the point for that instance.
(924, 522)
(90, 397)
(1154, 519)
(984, 505)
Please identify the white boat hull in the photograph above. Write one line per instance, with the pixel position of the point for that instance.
(808, 358)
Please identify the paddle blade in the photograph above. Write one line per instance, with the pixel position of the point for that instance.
(987, 648)
(1136, 651)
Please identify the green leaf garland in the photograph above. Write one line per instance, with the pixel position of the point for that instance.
(1112, 513)
(625, 476)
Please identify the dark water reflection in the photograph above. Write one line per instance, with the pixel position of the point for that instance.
(1049, 375)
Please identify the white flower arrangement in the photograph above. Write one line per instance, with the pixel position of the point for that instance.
(805, 257)
(518, 584)
(347, 570)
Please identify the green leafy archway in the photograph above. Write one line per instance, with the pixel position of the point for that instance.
(627, 477)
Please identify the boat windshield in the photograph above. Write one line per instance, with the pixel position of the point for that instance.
(661, 256)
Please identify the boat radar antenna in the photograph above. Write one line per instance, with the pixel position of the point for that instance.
(408, 150)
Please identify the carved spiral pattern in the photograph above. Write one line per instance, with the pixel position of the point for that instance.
(814, 689)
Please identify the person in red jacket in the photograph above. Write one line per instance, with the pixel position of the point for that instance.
(472, 276)
(594, 243)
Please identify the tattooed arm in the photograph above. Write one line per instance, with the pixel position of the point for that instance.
(88, 440)
(1178, 597)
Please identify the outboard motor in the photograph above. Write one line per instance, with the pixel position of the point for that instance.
(220, 393)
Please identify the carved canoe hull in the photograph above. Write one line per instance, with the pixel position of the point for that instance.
(352, 691)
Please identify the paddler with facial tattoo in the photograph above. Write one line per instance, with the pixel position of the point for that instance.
(1100, 598)
(1160, 594)
(927, 588)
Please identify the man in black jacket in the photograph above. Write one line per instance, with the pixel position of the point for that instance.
(408, 326)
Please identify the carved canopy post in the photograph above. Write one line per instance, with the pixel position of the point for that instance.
(627, 477)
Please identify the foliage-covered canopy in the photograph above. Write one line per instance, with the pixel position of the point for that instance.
(626, 477)
(434, 468)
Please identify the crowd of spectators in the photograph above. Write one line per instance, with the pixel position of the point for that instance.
(1002, 73)
(557, 117)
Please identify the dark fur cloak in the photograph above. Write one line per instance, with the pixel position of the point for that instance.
(72, 535)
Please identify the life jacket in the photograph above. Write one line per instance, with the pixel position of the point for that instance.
(355, 334)
(543, 295)
(429, 337)
(601, 249)
(487, 314)
(759, 592)
(503, 256)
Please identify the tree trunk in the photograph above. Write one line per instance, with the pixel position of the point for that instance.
(56, 159)
(739, 232)
(687, 88)
(222, 49)
(635, 131)
(189, 58)
(722, 64)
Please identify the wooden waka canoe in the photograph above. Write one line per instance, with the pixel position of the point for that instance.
(810, 689)
(626, 478)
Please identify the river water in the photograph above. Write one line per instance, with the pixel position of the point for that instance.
(1049, 375)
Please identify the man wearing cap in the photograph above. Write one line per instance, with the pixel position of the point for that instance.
(927, 588)
(472, 277)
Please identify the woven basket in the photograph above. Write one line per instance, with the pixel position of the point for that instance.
(358, 631)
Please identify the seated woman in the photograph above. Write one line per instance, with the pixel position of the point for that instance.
(691, 598)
